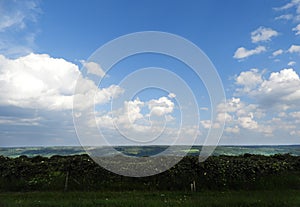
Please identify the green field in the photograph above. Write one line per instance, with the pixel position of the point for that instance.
(153, 199)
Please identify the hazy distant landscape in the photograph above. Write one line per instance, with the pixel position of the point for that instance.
(149, 150)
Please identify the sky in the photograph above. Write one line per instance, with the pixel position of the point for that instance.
(47, 76)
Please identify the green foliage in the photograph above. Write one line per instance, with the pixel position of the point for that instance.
(247, 172)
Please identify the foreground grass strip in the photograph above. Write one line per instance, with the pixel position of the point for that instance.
(151, 199)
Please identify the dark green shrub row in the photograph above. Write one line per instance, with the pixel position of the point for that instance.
(216, 173)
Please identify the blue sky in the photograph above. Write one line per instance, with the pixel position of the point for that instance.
(254, 46)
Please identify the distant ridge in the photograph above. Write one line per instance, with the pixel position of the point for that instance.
(231, 150)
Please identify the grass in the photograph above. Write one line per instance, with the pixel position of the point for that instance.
(152, 199)
(191, 151)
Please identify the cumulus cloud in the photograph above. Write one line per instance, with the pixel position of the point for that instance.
(247, 122)
(161, 106)
(128, 121)
(233, 130)
(240, 109)
(134, 120)
(263, 34)
(281, 89)
(294, 49)
(47, 86)
(242, 52)
(93, 68)
(131, 112)
(40, 81)
(241, 116)
(206, 123)
(249, 80)
(265, 105)
(269, 106)
(297, 29)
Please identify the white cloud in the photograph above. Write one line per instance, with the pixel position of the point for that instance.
(17, 31)
(103, 95)
(291, 63)
(295, 133)
(16, 14)
(172, 95)
(282, 87)
(284, 17)
(263, 34)
(204, 108)
(293, 4)
(241, 116)
(242, 52)
(93, 68)
(134, 121)
(249, 80)
(206, 123)
(9, 21)
(297, 29)
(284, 75)
(133, 110)
(161, 106)
(280, 90)
(295, 114)
(294, 49)
(277, 52)
(131, 113)
(247, 122)
(238, 108)
(265, 108)
(271, 108)
(40, 81)
(235, 129)
(16, 121)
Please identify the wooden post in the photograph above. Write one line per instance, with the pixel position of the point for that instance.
(194, 183)
(193, 186)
